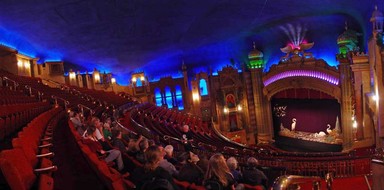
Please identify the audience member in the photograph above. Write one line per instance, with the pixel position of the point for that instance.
(252, 175)
(203, 163)
(167, 165)
(95, 146)
(190, 171)
(218, 175)
(233, 167)
(117, 141)
(151, 170)
(186, 138)
(169, 154)
(143, 145)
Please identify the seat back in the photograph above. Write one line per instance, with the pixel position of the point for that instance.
(16, 169)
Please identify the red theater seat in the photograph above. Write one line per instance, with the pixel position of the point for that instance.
(19, 173)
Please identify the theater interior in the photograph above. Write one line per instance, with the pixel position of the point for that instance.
(298, 85)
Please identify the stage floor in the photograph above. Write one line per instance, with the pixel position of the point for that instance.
(298, 145)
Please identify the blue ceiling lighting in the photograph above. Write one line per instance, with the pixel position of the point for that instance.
(123, 37)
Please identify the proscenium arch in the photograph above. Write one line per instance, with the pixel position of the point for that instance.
(302, 82)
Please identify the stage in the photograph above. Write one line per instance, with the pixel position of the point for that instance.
(299, 145)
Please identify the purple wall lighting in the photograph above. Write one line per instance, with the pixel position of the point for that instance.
(302, 73)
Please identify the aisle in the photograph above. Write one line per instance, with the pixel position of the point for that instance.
(73, 170)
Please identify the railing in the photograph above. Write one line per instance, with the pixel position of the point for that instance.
(126, 129)
(141, 129)
(66, 102)
(15, 84)
(214, 129)
(287, 182)
(82, 107)
(39, 94)
(57, 84)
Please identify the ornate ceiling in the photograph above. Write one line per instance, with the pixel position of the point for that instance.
(124, 36)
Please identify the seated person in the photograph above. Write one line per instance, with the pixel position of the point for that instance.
(233, 167)
(186, 138)
(171, 169)
(151, 171)
(252, 175)
(143, 145)
(117, 141)
(190, 171)
(169, 154)
(218, 175)
(95, 146)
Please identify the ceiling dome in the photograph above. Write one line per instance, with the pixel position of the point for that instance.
(347, 36)
(255, 53)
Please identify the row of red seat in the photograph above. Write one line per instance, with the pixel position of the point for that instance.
(109, 176)
(28, 164)
(14, 117)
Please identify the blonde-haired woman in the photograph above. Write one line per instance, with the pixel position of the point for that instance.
(218, 175)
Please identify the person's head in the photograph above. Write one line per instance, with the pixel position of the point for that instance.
(107, 126)
(143, 145)
(91, 130)
(95, 121)
(193, 158)
(252, 161)
(217, 168)
(169, 150)
(183, 158)
(185, 128)
(232, 163)
(153, 156)
(116, 134)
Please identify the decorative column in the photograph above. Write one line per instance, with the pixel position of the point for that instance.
(263, 127)
(361, 70)
(346, 102)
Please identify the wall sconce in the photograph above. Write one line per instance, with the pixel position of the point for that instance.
(19, 63)
(97, 77)
(134, 79)
(113, 80)
(239, 108)
(142, 78)
(354, 125)
(72, 75)
(195, 96)
(226, 110)
(375, 98)
(27, 65)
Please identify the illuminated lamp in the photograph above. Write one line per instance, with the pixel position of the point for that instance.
(97, 77)
(27, 65)
(19, 63)
(195, 96)
(239, 108)
(142, 78)
(354, 125)
(113, 80)
(72, 75)
(375, 98)
(226, 110)
(134, 79)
